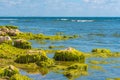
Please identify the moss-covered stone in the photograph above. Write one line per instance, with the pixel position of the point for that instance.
(81, 67)
(24, 44)
(10, 30)
(19, 77)
(3, 33)
(46, 63)
(31, 58)
(75, 70)
(69, 54)
(101, 53)
(8, 71)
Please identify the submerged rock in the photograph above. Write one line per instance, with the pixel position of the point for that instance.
(69, 54)
(46, 63)
(81, 67)
(76, 70)
(101, 52)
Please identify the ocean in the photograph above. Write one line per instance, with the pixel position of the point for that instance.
(94, 32)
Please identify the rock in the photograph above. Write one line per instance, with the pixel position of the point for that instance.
(69, 54)
(13, 32)
(4, 29)
(9, 71)
(2, 33)
(5, 39)
(21, 43)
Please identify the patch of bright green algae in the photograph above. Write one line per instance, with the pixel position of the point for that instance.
(113, 79)
(31, 36)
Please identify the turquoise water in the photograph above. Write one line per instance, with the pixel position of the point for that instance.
(95, 32)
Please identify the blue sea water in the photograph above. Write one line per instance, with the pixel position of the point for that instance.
(95, 32)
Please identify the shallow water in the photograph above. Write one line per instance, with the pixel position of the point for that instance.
(95, 33)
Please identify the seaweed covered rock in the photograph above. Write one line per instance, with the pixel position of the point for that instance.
(19, 77)
(8, 71)
(3, 33)
(46, 63)
(69, 54)
(31, 58)
(13, 32)
(24, 44)
(76, 70)
(81, 67)
(5, 39)
(102, 52)
(10, 30)
(4, 29)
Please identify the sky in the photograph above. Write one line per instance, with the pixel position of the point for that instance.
(62, 8)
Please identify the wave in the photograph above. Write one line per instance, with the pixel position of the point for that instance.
(8, 19)
(74, 20)
(62, 19)
(82, 20)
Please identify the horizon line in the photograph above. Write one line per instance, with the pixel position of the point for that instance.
(59, 16)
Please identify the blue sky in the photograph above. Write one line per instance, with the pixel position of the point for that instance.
(59, 7)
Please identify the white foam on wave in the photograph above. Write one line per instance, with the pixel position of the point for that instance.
(62, 19)
(82, 20)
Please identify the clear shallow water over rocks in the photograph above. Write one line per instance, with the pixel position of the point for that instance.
(94, 33)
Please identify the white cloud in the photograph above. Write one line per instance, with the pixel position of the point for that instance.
(11, 2)
(100, 1)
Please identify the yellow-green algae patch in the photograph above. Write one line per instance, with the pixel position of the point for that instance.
(102, 53)
(113, 79)
(98, 62)
(10, 52)
(19, 77)
(31, 36)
